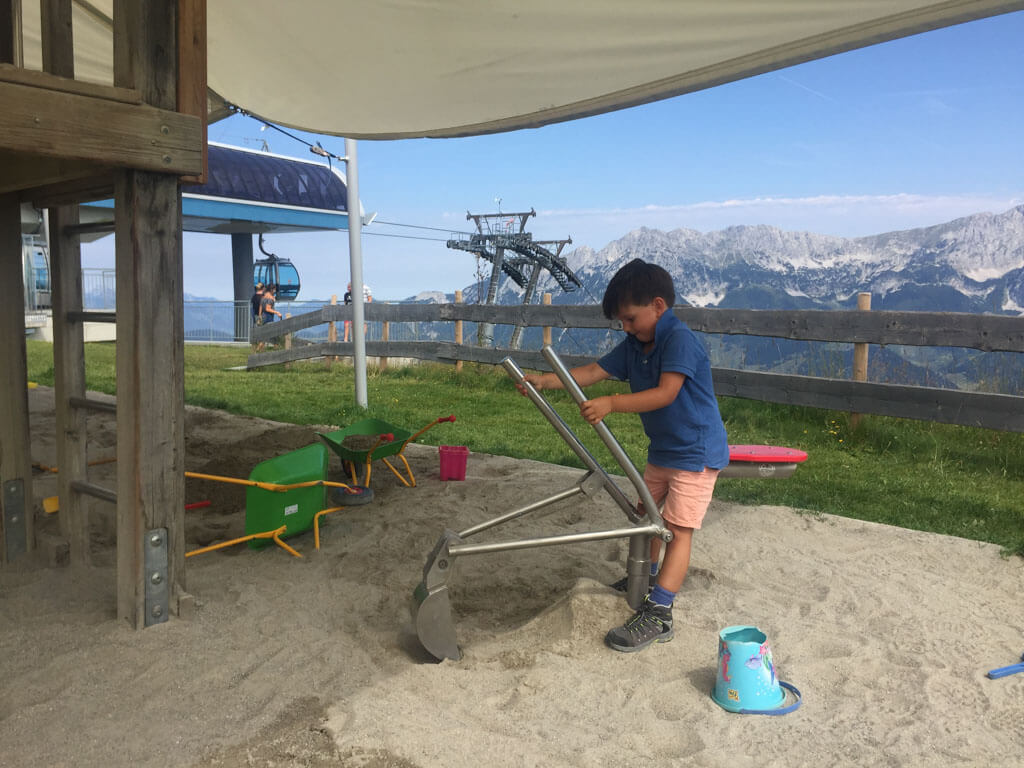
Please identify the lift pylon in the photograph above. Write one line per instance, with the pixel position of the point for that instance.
(500, 232)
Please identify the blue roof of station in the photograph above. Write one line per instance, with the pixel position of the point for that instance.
(251, 191)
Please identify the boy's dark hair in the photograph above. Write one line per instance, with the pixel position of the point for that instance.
(637, 283)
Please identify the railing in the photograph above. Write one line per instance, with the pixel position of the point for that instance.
(99, 288)
(231, 321)
(217, 321)
(989, 333)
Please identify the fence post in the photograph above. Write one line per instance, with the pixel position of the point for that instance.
(860, 354)
(287, 341)
(385, 335)
(458, 332)
(332, 332)
(547, 328)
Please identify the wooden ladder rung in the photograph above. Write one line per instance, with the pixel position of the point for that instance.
(89, 404)
(96, 491)
(92, 317)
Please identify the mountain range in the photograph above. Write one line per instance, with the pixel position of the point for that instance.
(972, 264)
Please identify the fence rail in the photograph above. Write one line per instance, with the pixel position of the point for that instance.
(982, 332)
(989, 333)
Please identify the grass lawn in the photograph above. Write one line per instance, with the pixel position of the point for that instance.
(932, 477)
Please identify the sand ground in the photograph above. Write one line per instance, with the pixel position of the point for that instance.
(314, 661)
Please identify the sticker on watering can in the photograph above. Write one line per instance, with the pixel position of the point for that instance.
(291, 510)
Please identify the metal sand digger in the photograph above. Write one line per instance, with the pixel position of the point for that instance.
(431, 602)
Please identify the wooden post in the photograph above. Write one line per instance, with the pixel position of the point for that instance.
(860, 354)
(192, 91)
(69, 381)
(16, 501)
(332, 332)
(10, 33)
(68, 337)
(150, 334)
(547, 328)
(458, 332)
(385, 335)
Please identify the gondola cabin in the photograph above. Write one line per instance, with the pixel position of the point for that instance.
(274, 270)
(279, 272)
(36, 272)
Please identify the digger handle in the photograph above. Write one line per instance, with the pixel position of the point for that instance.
(576, 392)
(446, 418)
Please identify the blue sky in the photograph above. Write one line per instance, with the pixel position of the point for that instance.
(904, 134)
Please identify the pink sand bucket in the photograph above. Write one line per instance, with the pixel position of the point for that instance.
(453, 461)
(746, 681)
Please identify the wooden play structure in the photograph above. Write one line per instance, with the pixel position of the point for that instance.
(63, 142)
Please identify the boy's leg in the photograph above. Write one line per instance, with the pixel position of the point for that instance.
(687, 502)
(677, 558)
(652, 623)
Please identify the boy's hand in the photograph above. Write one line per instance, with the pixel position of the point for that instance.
(536, 379)
(595, 410)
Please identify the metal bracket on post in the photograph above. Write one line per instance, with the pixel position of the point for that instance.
(15, 525)
(154, 560)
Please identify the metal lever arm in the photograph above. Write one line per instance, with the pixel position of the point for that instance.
(653, 516)
(570, 438)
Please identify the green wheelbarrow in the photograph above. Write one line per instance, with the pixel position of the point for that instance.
(365, 441)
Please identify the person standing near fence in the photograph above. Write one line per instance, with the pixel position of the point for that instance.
(256, 304)
(267, 311)
(367, 298)
(348, 301)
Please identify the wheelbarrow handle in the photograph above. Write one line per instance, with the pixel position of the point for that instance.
(435, 421)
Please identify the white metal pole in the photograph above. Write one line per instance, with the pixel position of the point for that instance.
(355, 252)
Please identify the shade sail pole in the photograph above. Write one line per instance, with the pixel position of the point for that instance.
(355, 253)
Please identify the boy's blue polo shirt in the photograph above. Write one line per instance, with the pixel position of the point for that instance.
(688, 432)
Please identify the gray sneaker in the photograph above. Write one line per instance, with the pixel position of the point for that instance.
(651, 624)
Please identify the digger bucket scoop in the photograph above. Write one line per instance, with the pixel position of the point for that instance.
(432, 608)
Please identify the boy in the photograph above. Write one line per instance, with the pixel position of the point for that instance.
(669, 376)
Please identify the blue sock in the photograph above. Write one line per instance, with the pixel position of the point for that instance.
(662, 596)
(654, 569)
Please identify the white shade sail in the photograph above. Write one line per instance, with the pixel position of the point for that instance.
(410, 68)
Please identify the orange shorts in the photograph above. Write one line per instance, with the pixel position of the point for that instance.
(683, 496)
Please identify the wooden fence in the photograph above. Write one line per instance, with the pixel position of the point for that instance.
(989, 333)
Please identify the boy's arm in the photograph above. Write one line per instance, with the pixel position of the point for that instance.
(585, 375)
(646, 400)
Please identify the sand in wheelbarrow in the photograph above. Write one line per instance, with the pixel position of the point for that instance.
(360, 443)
